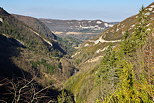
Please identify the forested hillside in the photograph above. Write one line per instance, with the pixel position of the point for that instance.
(31, 63)
(119, 68)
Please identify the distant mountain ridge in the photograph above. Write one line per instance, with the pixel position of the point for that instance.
(80, 29)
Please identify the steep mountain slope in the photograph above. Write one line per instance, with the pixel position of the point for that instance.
(95, 48)
(36, 25)
(120, 47)
(8, 49)
(32, 63)
(81, 30)
(27, 53)
(65, 45)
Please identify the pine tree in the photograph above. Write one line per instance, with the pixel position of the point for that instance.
(130, 89)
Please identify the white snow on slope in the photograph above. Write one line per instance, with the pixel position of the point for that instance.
(99, 22)
(101, 50)
(117, 29)
(75, 54)
(48, 42)
(150, 9)
(94, 59)
(152, 6)
(108, 25)
(148, 13)
(19, 42)
(86, 45)
(100, 40)
(133, 25)
(1, 20)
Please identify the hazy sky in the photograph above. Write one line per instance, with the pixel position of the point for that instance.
(106, 10)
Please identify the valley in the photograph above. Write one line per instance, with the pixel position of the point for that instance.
(77, 61)
(79, 29)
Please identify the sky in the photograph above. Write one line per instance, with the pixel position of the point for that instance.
(106, 10)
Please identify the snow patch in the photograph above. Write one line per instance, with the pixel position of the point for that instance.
(1, 20)
(85, 27)
(86, 45)
(20, 43)
(101, 50)
(148, 13)
(105, 48)
(48, 42)
(5, 35)
(106, 24)
(148, 25)
(96, 26)
(150, 9)
(148, 29)
(100, 40)
(132, 26)
(152, 6)
(110, 25)
(99, 22)
(75, 54)
(94, 59)
(117, 29)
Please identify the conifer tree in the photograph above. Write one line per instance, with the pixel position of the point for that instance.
(131, 89)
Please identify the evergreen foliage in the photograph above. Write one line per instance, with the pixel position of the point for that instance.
(64, 97)
(131, 89)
